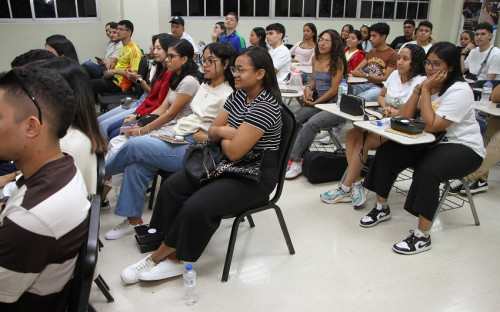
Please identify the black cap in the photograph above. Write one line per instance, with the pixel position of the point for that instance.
(177, 20)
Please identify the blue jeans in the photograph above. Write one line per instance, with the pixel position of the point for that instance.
(139, 159)
(118, 113)
(368, 91)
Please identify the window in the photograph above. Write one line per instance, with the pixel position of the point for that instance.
(48, 9)
(373, 9)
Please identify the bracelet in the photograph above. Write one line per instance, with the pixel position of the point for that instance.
(417, 90)
(147, 128)
(140, 131)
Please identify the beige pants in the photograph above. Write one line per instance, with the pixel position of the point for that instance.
(492, 150)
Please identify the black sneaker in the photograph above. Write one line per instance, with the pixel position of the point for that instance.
(456, 186)
(477, 186)
(105, 205)
(375, 216)
(413, 244)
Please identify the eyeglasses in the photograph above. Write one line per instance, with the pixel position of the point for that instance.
(122, 29)
(208, 60)
(171, 56)
(434, 65)
(23, 86)
(325, 41)
(238, 70)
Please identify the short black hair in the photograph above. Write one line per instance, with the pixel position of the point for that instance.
(51, 91)
(54, 37)
(485, 26)
(127, 24)
(279, 28)
(425, 23)
(113, 25)
(235, 15)
(31, 56)
(409, 21)
(381, 28)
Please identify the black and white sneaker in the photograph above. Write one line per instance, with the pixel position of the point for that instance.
(416, 242)
(456, 186)
(376, 215)
(476, 187)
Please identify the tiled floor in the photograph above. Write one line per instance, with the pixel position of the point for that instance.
(338, 265)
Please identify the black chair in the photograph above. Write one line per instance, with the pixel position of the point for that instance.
(288, 134)
(469, 199)
(86, 262)
(162, 175)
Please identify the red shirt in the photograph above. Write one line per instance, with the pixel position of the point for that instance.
(156, 96)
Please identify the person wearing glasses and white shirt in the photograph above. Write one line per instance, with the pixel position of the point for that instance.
(279, 52)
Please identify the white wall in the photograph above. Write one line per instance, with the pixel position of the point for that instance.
(151, 17)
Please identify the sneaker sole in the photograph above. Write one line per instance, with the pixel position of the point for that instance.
(161, 277)
(384, 218)
(474, 191)
(293, 177)
(404, 252)
(333, 201)
(360, 203)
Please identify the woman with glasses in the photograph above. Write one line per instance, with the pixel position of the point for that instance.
(397, 90)
(365, 33)
(354, 53)
(140, 157)
(302, 52)
(329, 67)
(188, 214)
(445, 102)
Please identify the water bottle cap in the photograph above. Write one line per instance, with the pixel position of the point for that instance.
(489, 80)
(189, 267)
(344, 80)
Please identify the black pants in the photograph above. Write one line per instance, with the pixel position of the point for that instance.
(190, 214)
(430, 167)
(100, 85)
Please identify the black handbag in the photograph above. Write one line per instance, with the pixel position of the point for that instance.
(352, 105)
(247, 167)
(201, 159)
(147, 119)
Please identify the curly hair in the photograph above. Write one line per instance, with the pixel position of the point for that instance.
(337, 54)
(417, 60)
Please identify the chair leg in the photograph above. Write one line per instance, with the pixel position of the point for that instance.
(90, 308)
(442, 199)
(103, 286)
(230, 248)
(284, 229)
(471, 201)
(152, 193)
(250, 221)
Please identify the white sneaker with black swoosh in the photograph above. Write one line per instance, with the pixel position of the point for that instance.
(415, 242)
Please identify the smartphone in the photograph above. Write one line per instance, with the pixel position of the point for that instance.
(124, 130)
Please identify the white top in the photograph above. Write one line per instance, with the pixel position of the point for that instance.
(426, 48)
(457, 105)
(77, 144)
(186, 36)
(112, 50)
(281, 61)
(397, 89)
(304, 56)
(475, 58)
(205, 105)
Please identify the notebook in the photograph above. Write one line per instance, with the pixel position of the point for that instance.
(412, 136)
(168, 139)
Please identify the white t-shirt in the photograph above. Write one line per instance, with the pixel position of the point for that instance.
(396, 89)
(426, 48)
(475, 58)
(457, 105)
(186, 36)
(281, 61)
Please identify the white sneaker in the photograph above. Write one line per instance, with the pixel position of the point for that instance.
(321, 135)
(294, 171)
(326, 140)
(123, 229)
(162, 270)
(131, 274)
(358, 194)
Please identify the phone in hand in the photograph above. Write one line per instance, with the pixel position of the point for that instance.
(124, 130)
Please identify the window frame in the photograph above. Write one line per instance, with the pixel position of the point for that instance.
(56, 19)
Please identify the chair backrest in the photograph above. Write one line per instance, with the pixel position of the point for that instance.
(143, 71)
(288, 134)
(86, 262)
(101, 173)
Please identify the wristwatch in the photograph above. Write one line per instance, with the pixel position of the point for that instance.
(139, 80)
(137, 116)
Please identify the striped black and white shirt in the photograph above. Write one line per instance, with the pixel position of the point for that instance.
(263, 113)
(42, 227)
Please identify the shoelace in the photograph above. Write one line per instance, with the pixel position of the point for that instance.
(455, 184)
(411, 238)
(144, 265)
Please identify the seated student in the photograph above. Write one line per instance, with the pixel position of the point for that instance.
(230, 34)
(485, 53)
(278, 51)
(110, 58)
(381, 62)
(424, 32)
(83, 139)
(397, 90)
(177, 30)
(189, 214)
(39, 236)
(446, 102)
(140, 157)
(354, 53)
(466, 37)
(258, 37)
(303, 51)
(346, 30)
(478, 180)
(61, 47)
(365, 33)
(219, 30)
(149, 101)
(408, 35)
(329, 67)
(31, 56)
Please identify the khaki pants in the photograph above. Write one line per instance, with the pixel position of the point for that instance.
(492, 150)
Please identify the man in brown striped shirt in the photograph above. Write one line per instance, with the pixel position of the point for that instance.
(45, 221)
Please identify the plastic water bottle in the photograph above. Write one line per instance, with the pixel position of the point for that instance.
(285, 39)
(190, 294)
(487, 90)
(342, 90)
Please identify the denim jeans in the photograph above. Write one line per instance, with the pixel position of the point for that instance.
(368, 91)
(312, 120)
(139, 159)
(118, 113)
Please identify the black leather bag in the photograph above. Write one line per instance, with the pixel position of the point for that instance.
(248, 167)
(147, 119)
(352, 105)
(201, 159)
(407, 125)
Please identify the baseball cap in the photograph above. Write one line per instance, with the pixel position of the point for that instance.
(177, 20)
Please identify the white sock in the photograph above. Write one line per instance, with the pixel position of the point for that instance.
(424, 233)
(346, 189)
(381, 205)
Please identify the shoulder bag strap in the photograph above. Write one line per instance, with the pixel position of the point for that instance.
(484, 62)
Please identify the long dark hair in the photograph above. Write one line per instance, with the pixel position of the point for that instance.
(262, 60)
(84, 117)
(166, 41)
(358, 35)
(450, 55)
(225, 52)
(63, 47)
(417, 60)
(313, 28)
(337, 54)
(261, 33)
(185, 49)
